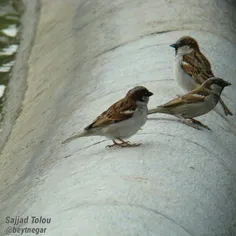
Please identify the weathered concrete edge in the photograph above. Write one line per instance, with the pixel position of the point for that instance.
(18, 83)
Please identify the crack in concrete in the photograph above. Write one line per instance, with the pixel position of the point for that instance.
(131, 41)
(199, 145)
(132, 206)
(86, 147)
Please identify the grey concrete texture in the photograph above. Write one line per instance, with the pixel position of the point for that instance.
(86, 55)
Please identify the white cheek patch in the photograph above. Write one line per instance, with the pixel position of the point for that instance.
(145, 99)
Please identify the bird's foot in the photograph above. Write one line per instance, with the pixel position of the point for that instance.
(194, 124)
(115, 144)
(200, 123)
(128, 144)
(123, 145)
(190, 123)
(227, 111)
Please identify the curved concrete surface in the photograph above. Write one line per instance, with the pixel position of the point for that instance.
(86, 55)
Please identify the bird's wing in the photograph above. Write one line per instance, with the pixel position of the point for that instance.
(201, 90)
(186, 99)
(119, 111)
(196, 65)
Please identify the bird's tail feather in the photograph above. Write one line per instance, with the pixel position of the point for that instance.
(79, 135)
(159, 109)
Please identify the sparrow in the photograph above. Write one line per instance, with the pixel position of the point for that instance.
(195, 103)
(121, 120)
(191, 67)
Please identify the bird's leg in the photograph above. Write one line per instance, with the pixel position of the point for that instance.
(226, 109)
(114, 144)
(200, 123)
(123, 142)
(189, 123)
(128, 144)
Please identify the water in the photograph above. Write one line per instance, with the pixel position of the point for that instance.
(9, 42)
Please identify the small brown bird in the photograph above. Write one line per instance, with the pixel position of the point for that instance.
(191, 67)
(122, 120)
(195, 103)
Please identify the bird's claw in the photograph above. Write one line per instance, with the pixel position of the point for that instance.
(128, 144)
(123, 144)
(200, 124)
(194, 124)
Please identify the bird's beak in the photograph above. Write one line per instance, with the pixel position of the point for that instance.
(150, 94)
(174, 45)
